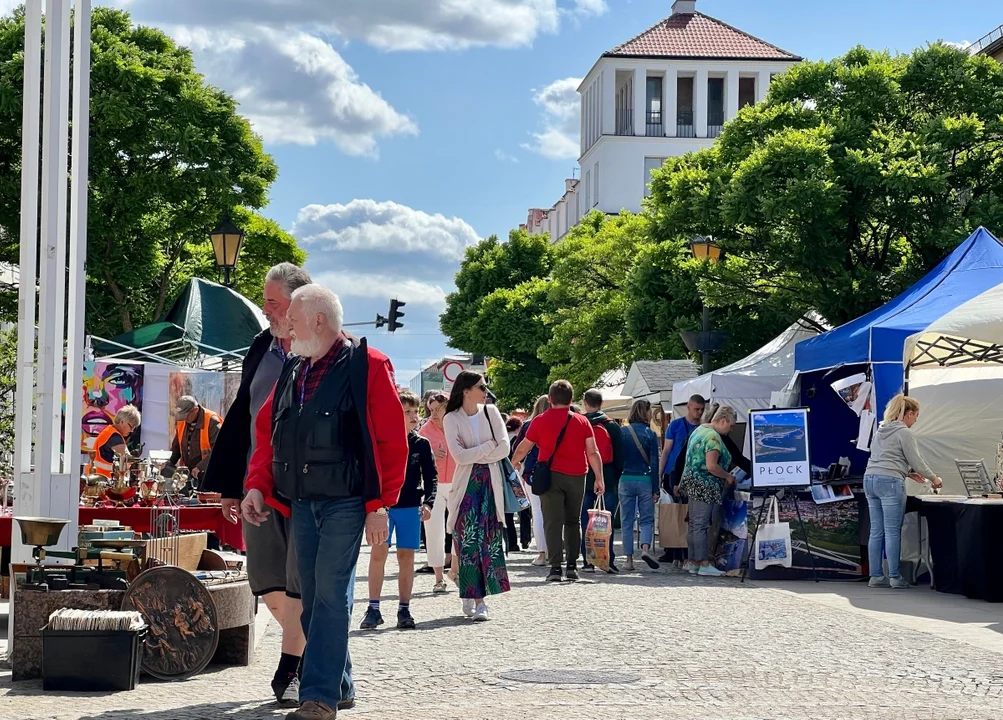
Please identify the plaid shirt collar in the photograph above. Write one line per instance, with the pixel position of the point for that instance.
(310, 375)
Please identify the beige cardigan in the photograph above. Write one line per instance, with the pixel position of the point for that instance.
(468, 450)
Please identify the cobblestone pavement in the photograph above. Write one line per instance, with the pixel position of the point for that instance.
(698, 648)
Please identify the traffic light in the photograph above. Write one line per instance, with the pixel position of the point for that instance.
(395, 315)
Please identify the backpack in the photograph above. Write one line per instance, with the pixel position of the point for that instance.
(604, 443)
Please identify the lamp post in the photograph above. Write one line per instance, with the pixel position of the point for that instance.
(705, 342)
(227, 240)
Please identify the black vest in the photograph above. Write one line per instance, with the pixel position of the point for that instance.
(316, 448)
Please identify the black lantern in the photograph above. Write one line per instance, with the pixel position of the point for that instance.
(705, 342)
(226, 242)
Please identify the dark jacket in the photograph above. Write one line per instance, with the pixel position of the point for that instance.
(611, 471)
(529, 464)
(421, 479)
(634, 462)
(227, 466)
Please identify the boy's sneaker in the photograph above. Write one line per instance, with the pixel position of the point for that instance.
(878, 582)
(287, 691)
(571, 574)
(372, 620)
(404, 619)
(555, 575)
(898, 583)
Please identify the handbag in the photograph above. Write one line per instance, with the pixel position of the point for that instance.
(515, 495)
(773, 540)
(541, 473)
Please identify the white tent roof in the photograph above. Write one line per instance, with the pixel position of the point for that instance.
(747, 384)
(615, 402)
(969, 335)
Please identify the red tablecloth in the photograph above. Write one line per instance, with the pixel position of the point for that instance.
(204, 517)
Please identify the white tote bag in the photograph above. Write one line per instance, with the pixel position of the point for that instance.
(773, 540)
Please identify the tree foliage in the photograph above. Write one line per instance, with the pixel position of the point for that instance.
(497, 311)
(854, 178)
(169, 157)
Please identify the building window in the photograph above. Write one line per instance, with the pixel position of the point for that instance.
(595, 190)
(746, 92)
(650, 165)
(715, 106)
(588, 188)
(684, 107)
(654, 108)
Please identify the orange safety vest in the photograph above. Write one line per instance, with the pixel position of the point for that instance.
(99, 465)
(204, 444)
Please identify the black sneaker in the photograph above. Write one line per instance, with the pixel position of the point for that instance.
(287, 691)
(404, 619)
(613, 569)
(588, 567)
(372, 620)
(425, 570)
(666, 557)
(555, 575)
(571, 574)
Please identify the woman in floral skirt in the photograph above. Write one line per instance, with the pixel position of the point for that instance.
(478, 442)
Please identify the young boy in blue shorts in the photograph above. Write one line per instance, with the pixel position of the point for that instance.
(413, 507)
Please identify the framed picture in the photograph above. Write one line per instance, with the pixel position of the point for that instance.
(780, 448)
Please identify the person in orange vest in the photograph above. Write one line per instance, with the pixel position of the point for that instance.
(197, 429)
(111, 440)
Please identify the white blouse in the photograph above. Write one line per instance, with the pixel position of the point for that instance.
(470, 442)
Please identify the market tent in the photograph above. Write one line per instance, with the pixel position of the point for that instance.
(615, 403)
(954, 367)
(747, 384)
(653, 380)
(207, 320)
(878, 338)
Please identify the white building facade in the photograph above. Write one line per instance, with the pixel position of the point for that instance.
(664, 93)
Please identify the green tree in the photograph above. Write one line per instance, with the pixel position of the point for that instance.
(497, 311)
(854, 178)
(169, 157)
(589, 297)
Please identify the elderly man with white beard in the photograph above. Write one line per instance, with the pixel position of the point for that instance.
(331, 452)
(271, 558)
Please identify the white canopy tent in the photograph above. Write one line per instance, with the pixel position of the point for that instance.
(747, 384)
(615, 403)
(954, 367)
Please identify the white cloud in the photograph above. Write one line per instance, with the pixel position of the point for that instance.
(378, 287)
(7, 5)
(963, 45)
(385, 24)
(295, 88)
(559, 139)
(503, 156)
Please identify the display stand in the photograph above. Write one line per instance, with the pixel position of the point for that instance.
(772, 493)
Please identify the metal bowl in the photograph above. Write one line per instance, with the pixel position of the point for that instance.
(41, 531)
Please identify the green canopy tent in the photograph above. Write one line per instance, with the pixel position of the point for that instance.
(208, 325)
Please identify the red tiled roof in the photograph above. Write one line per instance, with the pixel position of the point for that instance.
(698, 36)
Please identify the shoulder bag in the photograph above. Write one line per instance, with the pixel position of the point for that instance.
(637, 444)
(541, 473)
(515, 495)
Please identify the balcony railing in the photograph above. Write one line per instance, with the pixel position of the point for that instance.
(624, 122)
(715, 123)
(984, 42)
(684, 124)
(654, 126)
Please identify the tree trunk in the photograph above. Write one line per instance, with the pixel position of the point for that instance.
(116, 292)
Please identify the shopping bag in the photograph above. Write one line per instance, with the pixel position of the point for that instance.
(516, 499)
(672, 525)
(598, 534)
(773, 540)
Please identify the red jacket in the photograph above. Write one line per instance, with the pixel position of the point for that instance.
(386, 427)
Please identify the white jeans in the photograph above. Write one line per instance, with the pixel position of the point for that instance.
(541, 539)
(435, 529)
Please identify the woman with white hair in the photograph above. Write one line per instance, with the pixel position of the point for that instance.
(894, 457)
(112, 440)
(705, 478)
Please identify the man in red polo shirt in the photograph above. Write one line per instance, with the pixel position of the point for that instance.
(570, 457)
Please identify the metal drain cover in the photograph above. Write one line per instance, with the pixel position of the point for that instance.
(569, 677)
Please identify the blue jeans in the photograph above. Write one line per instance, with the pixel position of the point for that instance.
(636, 498)
(886, 504)
(609, 498)
(328, 535)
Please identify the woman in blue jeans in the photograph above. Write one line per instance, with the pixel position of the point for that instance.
(894, 457)
(639, 483)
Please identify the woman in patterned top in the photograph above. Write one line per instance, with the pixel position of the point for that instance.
(704, 479)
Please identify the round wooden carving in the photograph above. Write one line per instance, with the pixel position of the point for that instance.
(183, 625)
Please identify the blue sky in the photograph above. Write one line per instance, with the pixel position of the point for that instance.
(405, 130)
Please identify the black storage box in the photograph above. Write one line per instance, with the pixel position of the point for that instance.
(91, 660)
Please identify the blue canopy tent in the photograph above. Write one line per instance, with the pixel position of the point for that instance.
(877, 340)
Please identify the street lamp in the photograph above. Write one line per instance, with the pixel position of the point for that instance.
(705, 342)
(226, 242)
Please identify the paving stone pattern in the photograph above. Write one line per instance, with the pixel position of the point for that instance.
(702, 648)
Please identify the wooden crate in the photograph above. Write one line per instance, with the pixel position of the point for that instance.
(189, 546)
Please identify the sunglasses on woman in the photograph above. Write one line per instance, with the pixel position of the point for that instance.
(482, 387)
